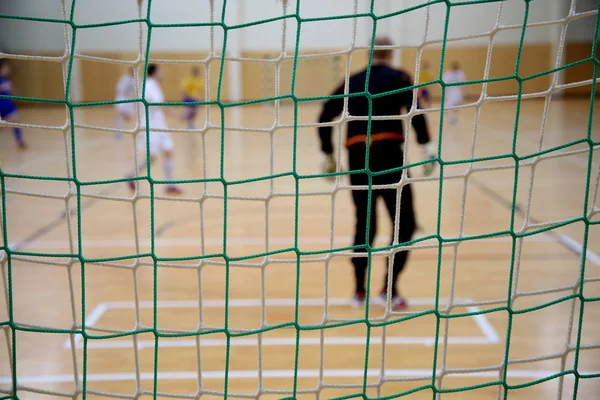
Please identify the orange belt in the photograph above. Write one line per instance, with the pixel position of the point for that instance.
(375, 137)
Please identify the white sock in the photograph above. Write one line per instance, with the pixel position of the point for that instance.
(141, 164)
(168, 166)
(118, 125)
(452, 117)
(118, 121)
(140, 169)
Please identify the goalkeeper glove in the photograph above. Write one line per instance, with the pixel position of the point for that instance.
(429, 154)
(330, 166)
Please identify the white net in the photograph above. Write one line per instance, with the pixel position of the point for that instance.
(212, 328)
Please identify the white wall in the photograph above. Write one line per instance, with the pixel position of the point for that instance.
(31, 36)
(265, 36)
(313, 35)
(125, 37)
(469, 20)
(113, 38)
(408, 28)
(582, 29)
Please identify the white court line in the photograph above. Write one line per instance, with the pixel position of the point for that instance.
(96, 314)
(573, 159)
(424, 374)
(244, 241)
(577, 161)
(269, 342)
(90, 320)
(258, 302)
(484, 325)
(490, 335)
(578, 248)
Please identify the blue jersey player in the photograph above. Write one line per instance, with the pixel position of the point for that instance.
(8, 111)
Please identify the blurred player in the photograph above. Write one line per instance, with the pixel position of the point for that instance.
(385, 152)
(160, 141)
(8, 111)
(425, 76)
(454, 95)
(125, 91)
(193, 91)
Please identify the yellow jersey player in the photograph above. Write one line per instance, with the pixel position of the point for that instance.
(193, 91)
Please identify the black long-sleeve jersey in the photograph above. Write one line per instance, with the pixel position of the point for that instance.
(382, 79)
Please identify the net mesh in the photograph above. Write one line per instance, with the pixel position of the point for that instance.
(84, 334)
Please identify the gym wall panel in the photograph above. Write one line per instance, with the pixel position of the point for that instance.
(535, 58)
(314, 77)
(99, 79)
(574, 52)
(36, 78)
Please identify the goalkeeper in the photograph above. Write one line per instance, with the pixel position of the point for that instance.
(385, 153)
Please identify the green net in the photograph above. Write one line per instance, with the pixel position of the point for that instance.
(84, 335)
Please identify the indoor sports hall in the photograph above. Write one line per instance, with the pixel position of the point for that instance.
(213, 254)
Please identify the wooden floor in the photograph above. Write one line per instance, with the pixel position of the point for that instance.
(41, 217)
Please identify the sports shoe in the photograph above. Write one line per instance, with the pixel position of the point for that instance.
(131, 185)
(398, 302)
(358, 300)
(172, 189)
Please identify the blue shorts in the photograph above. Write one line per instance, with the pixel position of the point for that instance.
(188, 99)
(7, 108)
(425, 94)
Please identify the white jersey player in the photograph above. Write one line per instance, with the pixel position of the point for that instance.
(125, 91)
(454, 95)
(160, 141)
